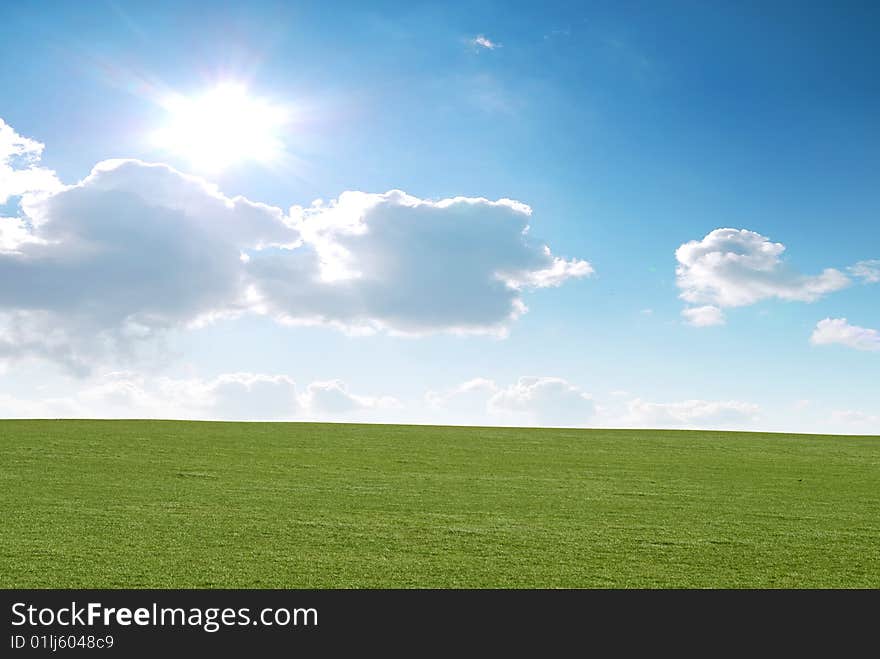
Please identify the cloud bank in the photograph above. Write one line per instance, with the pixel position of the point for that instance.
(227, 397)
(553, 401)
(527, 401)
(133, 250)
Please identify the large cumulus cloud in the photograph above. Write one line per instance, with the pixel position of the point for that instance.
(135, 249)
(393, 261)
(130, 251)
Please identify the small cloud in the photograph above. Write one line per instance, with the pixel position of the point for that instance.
(838, 330)
(706, 316)
(646, 312)
(867, 271)
(481, 41)
(737, 268)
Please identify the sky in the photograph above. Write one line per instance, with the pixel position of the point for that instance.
(593, 214)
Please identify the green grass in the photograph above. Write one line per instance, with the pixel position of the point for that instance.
(185, 504)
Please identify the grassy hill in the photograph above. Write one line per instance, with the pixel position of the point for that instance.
(187, 504)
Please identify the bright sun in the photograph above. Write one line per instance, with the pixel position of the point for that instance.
(222, 127)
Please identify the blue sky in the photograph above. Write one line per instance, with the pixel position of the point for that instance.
(629, 129)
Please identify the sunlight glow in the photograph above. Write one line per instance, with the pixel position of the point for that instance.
(222, 127)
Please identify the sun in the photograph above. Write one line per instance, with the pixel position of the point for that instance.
(222, 127)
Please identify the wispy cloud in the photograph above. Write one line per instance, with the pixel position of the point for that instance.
(705, 316)
(867, 271)
(482, 42)
(731, 414)
(856, 418)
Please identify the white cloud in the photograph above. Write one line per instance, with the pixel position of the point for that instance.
(65, 407)
(736, 267)
(14, 232)
(481, 41)
(838, 330)
(704, 316)
(529, 401)
(20, 172)
(867, 271)
(690, 414)
(553, 401)
(101, 268)
(481, 386)
(231, 396)
(129, 252)
(556, 272)
(333, 398)
(250, 396)
(546, 400)
(466, 403)
(856, 420)
(253, 396)
(407, 265)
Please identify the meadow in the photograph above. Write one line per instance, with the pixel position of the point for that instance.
(167, 504)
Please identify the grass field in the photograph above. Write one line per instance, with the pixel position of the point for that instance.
(187, 504)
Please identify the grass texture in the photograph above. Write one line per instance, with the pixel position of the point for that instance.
(165, 504)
